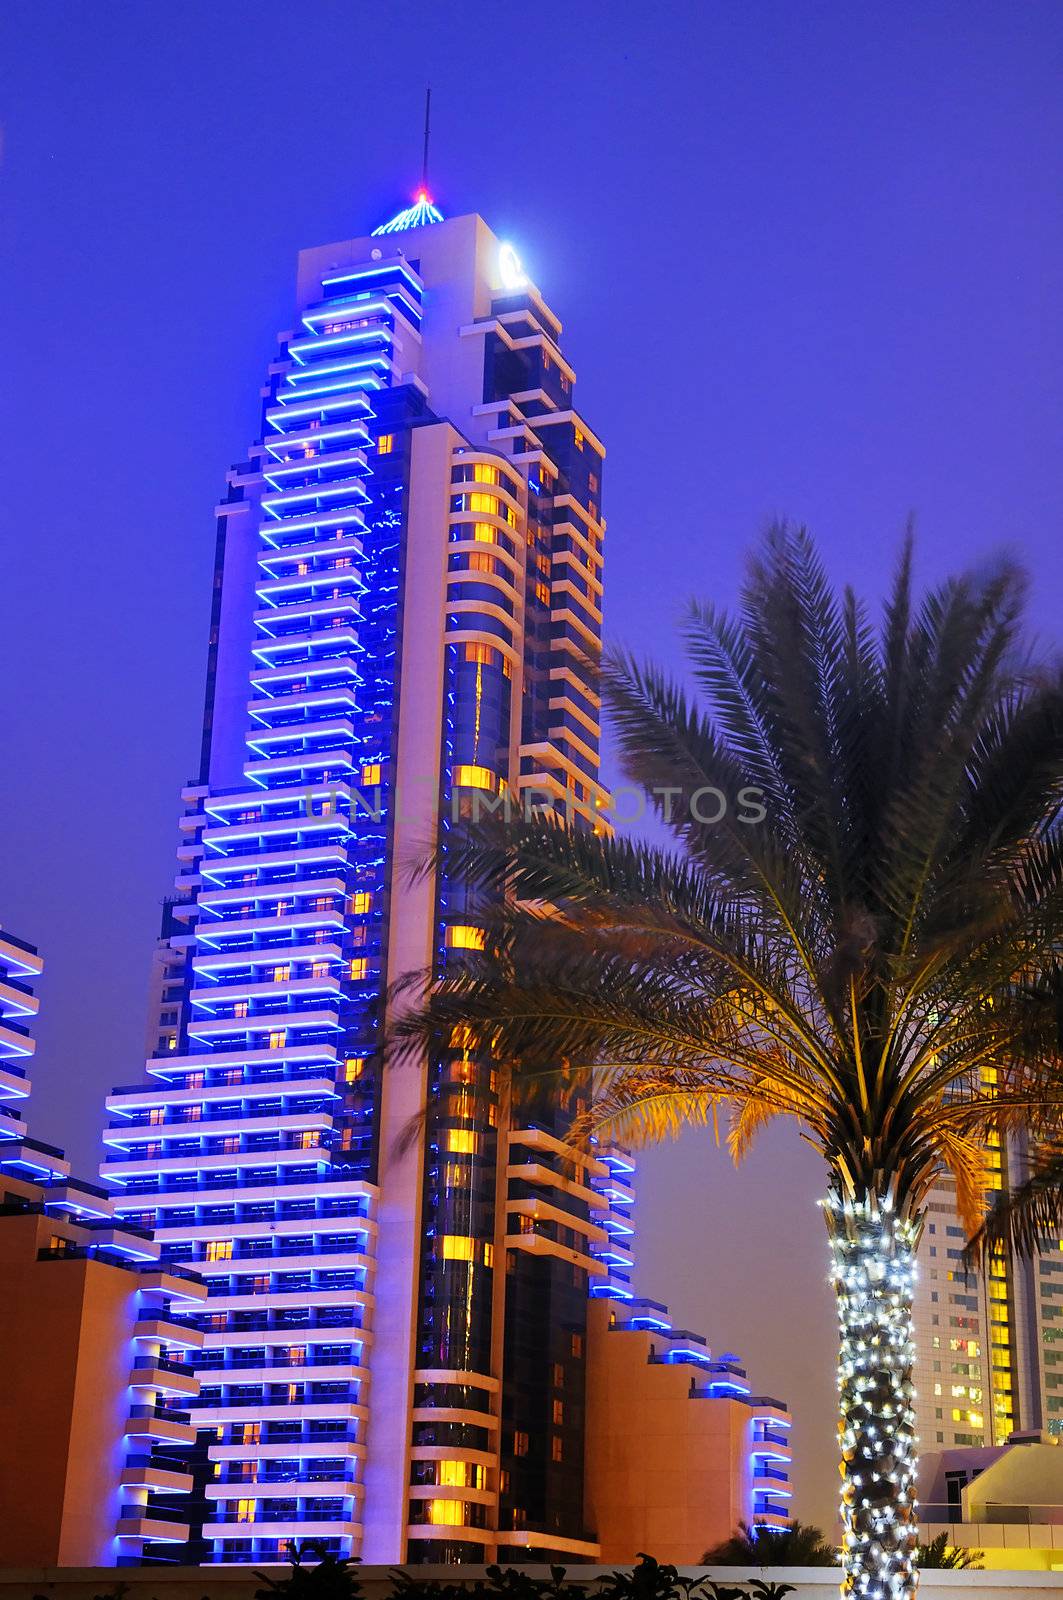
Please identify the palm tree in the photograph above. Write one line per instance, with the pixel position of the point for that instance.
(1024, 1217)
(856, 939)
(940, 1556)
(798, 1544)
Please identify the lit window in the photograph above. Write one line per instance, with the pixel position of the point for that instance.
(319, 969)
(453, 1475)
(281, 974)
(353, 1068)
(559, 1412)
(483, 533)
(482, 654)
(446, 1513)
(489, 1255)
(577, 439)
(482, 563)
(465, 938)
(219, 1249)
(240, 1008)
(556, 1448)
(542, 594)
(461, 1141)
(278, 1040)
(520, 1444)
(371, 774)
(385, 444)
(456, 1247)
(297, 1355)
(157, 1115)
(485, 474)
(245, 1511)
(474, 777)
(360, 902)
(359, 967)
(484, 502)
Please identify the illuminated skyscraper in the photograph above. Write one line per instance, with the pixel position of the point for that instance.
(406, 620)
(406, 613)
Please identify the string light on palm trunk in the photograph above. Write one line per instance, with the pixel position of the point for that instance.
(873, 1251)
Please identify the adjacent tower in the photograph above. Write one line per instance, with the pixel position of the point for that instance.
(406, 619)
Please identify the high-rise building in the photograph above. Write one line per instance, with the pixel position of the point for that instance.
(90, 1427)
(406, 615)
(406, 620)
(989, 1340)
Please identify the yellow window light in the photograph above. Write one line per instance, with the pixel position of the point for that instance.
(461, 1141)
(474, 777)
(484, 474)
(359, 968)
(457, 1247)
(361, 902)
(353, 1068)
(371, 774)
(462, 937)
(385, 444)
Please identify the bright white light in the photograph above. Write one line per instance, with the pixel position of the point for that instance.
(510, 269)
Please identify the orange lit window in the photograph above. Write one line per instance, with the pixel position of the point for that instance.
(482, 654)
(281, 974)
(297, 1355)
(245, 1511)
(360, 902)
(485, 474)
(319, 969)
(250, 1432)
(456, 1247)
(484, 502)
(520, 1444)
(473, 777)
(483, 533)
(359, 968)
(385, 444)
(278, 1040)
(489, 1255)
(482, 563)
(542, 594)
(158, 1114)
(371, 774)
(559, 1412)
(461, 1141)
(446, 1513)
(219, 1250)
(240, 1008)
(465, 938)
(577, 439)
(353, 1068)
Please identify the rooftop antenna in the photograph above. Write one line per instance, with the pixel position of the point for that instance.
(427, 126)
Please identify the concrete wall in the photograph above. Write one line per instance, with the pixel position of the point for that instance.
(65, 1352)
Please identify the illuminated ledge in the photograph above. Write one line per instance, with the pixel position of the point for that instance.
(438, 1530)
(536, 1244)
(527, 1538)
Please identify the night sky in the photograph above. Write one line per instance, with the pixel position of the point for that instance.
(808, 259)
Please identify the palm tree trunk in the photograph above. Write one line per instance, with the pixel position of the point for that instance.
(873, 1249)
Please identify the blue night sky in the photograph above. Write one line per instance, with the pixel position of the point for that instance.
(808, 258)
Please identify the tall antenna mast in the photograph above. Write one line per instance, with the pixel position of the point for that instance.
(427, 123)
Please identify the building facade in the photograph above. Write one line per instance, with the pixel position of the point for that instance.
(90, 1420)
(405, 629)
(406, 617)
(989, 1342)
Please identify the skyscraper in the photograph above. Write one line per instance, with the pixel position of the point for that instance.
(405, 630)
(406, 614)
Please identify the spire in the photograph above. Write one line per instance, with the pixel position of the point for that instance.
(422, 212)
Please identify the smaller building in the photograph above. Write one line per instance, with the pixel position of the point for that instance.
(679, 1449)
(94, 1439)
(1005, 1501)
